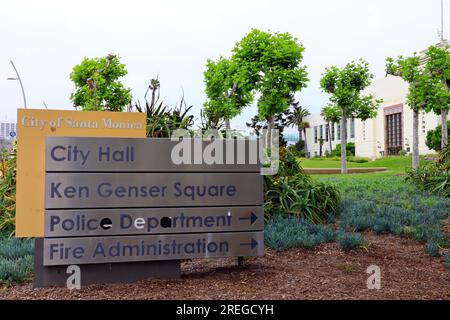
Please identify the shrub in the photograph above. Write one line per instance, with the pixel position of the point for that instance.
(388, 205)
(350, 150)
(447, 260)
(433, 177)
(434, 137)
(8, 193)
(349, 240)
(15, 248)
(335, 158)
(402, 153)
(282, 233)
(358, 159)
(16, 259)
(15, 270)
(294, 151)
(301, 197)
(432, 248)
(300, 146)
(289, 164)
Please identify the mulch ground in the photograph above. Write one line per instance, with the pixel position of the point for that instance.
(327, 272)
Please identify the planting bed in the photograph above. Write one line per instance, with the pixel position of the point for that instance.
(326, 272)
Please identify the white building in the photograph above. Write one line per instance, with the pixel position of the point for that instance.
(387, 134)
(8, 132)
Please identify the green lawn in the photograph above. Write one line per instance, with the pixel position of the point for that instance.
(395, 165)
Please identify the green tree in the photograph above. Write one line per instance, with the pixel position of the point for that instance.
(331, 117)
(434, 138)
(345, 85)
(97, 86)
(297, 118)
(438, 99)
(408, 68)
(227, 90)
(270, 64)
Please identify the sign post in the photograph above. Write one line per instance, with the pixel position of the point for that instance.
(122, 202)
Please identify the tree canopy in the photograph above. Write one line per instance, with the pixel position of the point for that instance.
(97, 85)
(227, 89)
(264, 62)
(345, 86)
(271, 63)
(408, 68)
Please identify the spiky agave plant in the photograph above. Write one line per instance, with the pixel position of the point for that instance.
(161, 119)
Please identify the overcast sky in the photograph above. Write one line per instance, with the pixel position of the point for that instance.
(174, 38)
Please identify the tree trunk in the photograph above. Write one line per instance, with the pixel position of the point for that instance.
(415, 160)
(329, 136)
(306, 143)
(227, 124)
(444, 140)
(344, 144)
(299, 136)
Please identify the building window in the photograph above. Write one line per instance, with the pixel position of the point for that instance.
(346, 129)
(321, 132)
(332, 132)
(6, 128)
(338, 131)
(315, 134)
(327, 130)
(352, 128)
(364, 130)
(394, 133)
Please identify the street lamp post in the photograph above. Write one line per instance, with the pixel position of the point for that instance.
(21, 84)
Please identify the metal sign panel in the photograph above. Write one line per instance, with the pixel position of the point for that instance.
(69, 154)
(111, 222)
(127, 200)
(67, 251)
(121, 190)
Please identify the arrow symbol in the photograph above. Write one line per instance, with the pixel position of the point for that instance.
(251, 244)
(252, 218)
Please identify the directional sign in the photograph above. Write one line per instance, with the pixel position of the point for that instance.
(111, 222)
(12, 134)
(131, 190)
(124, 200)
(67, 251)
(69, 154)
